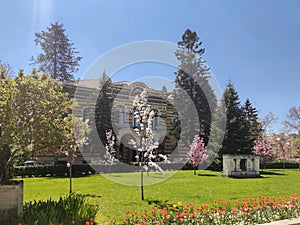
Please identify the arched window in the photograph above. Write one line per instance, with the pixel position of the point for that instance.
(155, 122)
(86, 114)
(134, 121)
(121, 115)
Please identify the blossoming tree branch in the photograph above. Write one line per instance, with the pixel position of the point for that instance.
(145, 146)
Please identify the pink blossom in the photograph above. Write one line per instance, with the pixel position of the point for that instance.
(263, 149)
(197, 152)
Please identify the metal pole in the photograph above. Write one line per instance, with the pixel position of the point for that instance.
(70, 170)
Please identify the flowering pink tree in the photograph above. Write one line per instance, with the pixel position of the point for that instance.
(197, 152)
(263, 149)
(283, 148)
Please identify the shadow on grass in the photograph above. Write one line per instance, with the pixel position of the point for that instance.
(158, 203)
(206, 175)
(264, 174)
(91, 195)
(271, 173)
(54, 176)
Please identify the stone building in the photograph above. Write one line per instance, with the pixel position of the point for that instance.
(240, 165)
(86, 92)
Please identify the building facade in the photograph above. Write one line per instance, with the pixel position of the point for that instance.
(123, 123)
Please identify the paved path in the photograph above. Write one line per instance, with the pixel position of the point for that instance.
(285, 222)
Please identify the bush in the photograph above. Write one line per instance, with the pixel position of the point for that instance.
(73, 207)
(280, 165)
(52, 170)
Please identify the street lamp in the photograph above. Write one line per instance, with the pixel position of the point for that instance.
(70, 175)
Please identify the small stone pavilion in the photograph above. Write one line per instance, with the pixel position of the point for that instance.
(240, 165)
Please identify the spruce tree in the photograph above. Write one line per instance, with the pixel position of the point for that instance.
(103, 107)
(237, 127)
(192, 79)
(58, 57)
(255, 127)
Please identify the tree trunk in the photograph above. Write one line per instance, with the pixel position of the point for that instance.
(142, 184)
(5, 162)
(4, 176)
(195, 171)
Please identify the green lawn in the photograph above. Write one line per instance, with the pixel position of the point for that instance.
(114, 198)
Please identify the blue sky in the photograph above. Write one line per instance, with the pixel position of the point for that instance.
(253, 43)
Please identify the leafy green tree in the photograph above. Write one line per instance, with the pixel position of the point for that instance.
(8, 69)
(255, 126)
(237, 127)
(33, 118)
(192, 78)
(59, 56)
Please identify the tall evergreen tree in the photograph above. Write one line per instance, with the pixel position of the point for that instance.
(192, 79)
(59, 56)
(237, 127)
(103, 107)
(255, 127)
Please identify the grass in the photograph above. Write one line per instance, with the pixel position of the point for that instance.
(115, 198)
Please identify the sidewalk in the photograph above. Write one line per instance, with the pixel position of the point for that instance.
(285, 222)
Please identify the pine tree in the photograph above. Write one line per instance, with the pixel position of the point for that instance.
(103, 107)
(192, 80)
(59, 56)
(237, 127)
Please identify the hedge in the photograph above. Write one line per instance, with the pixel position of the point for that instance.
(85, 169)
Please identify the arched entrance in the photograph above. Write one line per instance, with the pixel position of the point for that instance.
(125, 153)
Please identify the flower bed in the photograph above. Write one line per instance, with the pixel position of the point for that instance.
(246, 211)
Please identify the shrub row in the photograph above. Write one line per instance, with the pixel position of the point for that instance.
(85, 169)
(280, 165)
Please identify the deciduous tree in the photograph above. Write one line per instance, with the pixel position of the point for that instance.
(292, 123)
(283, 148)
(197, 152)
(145, 146)
(8, 69)
(267, 122)
(33, 118)
(110, 148)
(264, 150)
